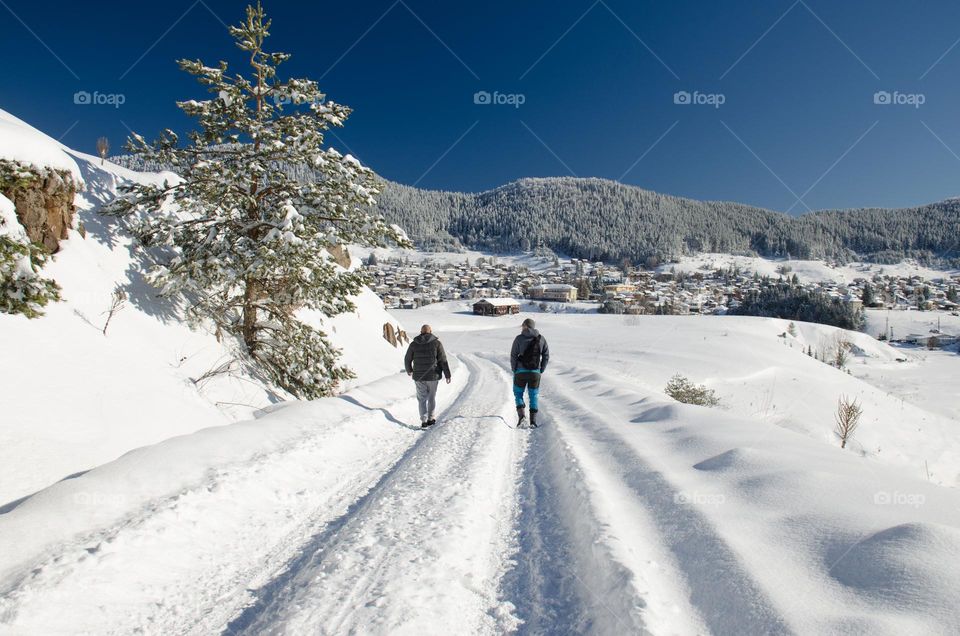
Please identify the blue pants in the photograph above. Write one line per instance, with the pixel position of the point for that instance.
(525, 379)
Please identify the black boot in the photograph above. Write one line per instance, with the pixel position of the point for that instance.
(533, 418)
(520, 416)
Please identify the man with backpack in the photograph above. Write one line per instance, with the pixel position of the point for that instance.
(425, 362)
(528, 359)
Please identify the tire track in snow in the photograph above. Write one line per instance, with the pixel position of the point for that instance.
(423, 551)
(727, 597)
(563, 581)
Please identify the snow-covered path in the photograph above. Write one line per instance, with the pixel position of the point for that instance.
(625, 513)
(422, 551)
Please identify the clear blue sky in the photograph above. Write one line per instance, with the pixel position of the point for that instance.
(598, 82)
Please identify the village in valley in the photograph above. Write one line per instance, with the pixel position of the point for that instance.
(498, 286)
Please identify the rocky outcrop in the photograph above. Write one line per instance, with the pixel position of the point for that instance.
(43, 200)
(340, 255)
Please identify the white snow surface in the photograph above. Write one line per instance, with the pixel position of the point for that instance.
(625, 512)
(75, 398)
(806, 271)
(22, 142)
(9, 225)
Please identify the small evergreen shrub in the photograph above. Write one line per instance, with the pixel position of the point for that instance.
(683, 390)
(22, 289)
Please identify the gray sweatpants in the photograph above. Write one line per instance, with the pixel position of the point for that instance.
(427, 398)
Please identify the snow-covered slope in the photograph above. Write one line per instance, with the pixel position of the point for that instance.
(21, 142)
(626, 512)
(75, 398)
(806, 271)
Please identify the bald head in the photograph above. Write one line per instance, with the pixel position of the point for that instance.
(426, 329)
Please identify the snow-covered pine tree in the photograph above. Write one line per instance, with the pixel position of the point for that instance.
(246, 244)
(22, 289)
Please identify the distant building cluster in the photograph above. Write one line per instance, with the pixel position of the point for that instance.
(403, 284)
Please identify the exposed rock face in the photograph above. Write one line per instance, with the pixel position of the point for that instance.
(340, 255)
(44, 203)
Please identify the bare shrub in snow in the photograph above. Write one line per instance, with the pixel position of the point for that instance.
(848, 416)
(835, 351)
(841, 353)
(683, 390)
(103, 148)
(118, 300)
(223, 368)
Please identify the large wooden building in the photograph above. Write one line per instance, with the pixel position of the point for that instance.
(496, 307)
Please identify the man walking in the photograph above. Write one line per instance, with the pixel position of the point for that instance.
(425, 362)
(528, 359)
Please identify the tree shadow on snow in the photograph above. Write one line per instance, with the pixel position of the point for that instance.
(387, 414)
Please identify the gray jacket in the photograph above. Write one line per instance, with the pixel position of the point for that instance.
(520, 344)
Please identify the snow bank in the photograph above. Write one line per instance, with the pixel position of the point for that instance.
(766, 524)
(757, 369)
(105, 495)
(78, 398)
(24, 143)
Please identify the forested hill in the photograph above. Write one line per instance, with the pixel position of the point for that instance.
(600, 219)
(607, 220)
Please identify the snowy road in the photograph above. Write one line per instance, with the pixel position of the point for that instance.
(620, 515)
(422, 551)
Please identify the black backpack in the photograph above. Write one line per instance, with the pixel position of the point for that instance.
(530, 358)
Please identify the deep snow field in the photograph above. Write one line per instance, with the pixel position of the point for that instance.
(138, 498)
(626, 512)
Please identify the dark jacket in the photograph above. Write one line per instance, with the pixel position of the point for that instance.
(426, 358)
(520, 344)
